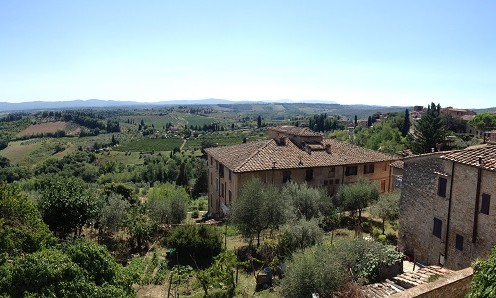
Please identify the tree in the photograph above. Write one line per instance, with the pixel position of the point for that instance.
(306, 201)
(94, 259)
(484, 121)
(406, 124)
(67, 204)
(201, 183)
(357, 196)
(387, 208)
(482, 284)
(52, 273)
(313, 271)
(221, 274)
(113, 214)
(140, 226)
(356, 121)
(182, 177)
(168, 204)
(197, 243)
(21, 228)
(257, 208)
(299, 235)
(259, 121)
(369, 122)
(429, 131)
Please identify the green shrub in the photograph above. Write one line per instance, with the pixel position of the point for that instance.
(483, 284)
(195, 243)
(382, 239)
(376, 233)
(195, 214)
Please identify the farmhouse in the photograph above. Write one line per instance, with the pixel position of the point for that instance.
(291, 154)
(446, 214)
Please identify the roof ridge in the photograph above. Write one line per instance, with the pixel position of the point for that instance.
(253, 154)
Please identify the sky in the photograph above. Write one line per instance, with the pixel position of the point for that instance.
(350, 52)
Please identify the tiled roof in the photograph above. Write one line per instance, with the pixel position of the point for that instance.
(471, 157)
(266, 155)
(296, 131)
(399, 164)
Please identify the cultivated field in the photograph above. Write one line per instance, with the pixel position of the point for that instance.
(46, 127)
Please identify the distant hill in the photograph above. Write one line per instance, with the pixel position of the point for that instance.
(98, 103)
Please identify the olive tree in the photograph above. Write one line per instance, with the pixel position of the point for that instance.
(387, 208)
(167, 203)
(258, 207)
(357, 196)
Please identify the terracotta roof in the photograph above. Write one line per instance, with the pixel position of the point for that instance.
(399, 164)
(266, 155)
(296, 131)
(471, 157)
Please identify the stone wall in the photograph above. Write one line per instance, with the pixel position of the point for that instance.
(455, 285)
(419, 205)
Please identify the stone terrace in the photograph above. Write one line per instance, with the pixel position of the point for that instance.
(404, 281)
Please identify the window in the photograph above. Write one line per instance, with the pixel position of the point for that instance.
(211, 161)
(309, 175)
(438, 226)
(332, 172)
(336, 181)
(368, 168)
(221, 171)
(286, 176)
(459, 242)
(441, 187)
(229, 175)
(486, 198)
(230, 197)
(217, 184)
(222, 188)
(216, 165)
(211, 179)
(351, 171)
(326, 182)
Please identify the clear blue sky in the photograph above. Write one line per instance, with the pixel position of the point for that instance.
(369, 52)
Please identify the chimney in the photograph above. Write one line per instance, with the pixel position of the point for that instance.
(308, 149)
(480, 160)
(328, 148)
(433, 150)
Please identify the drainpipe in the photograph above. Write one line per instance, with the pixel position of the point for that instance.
(390, 178)
(477, 194)
(449, 212)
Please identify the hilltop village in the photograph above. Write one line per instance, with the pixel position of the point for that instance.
(237, 200)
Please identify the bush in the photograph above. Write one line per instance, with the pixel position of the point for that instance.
(483, 284)
(195, 243)
(376, 233)
(382, 239)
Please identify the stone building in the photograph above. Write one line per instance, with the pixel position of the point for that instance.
(446, 215)
(291, 154)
